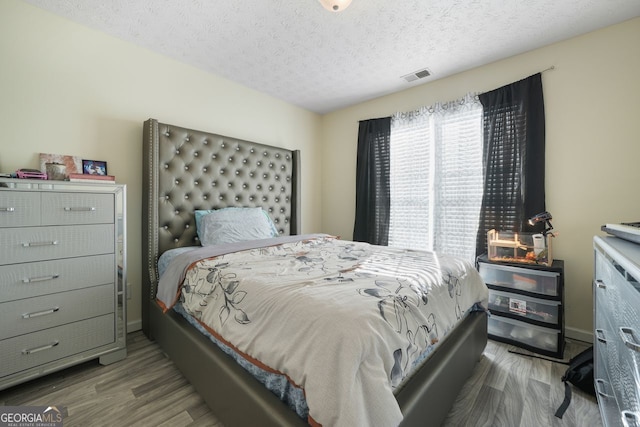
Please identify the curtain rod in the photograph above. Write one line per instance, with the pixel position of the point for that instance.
(551, 68)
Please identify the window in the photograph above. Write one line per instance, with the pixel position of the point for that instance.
(436, 178)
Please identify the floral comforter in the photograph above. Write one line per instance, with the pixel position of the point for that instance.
(344, 321)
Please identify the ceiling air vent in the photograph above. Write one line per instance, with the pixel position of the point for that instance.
(417, 75)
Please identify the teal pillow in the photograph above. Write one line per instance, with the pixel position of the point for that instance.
(229, 225)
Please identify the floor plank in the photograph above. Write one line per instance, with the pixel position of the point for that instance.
(531, 391)
(509, 387)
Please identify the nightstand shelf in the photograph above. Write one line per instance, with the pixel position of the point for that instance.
(526, 304)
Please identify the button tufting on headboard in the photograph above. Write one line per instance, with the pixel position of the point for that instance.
(185, 170)
(239, 173)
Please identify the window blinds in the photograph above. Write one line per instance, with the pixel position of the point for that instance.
(411, 181)
(436, 178)
(459, 183)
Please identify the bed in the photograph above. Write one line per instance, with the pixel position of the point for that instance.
(185, 170)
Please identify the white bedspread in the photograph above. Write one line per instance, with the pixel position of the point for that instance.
(345, 321)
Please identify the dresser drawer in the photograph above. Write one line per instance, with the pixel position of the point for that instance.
(77, 208)
(18, 281)
(527, 280)
(32, 314)
(28, 244)
(627, 338)
(616, 370)
(628, 392)
(536, 338)
(607, 358)
(27, 351)
(19, 208)
(607, 402)
(617, 330)
(546, 312)
(604, 334)
(605, 292)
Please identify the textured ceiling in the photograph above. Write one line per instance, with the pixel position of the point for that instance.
(297, 51)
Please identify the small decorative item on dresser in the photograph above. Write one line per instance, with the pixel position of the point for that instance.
(56, 171)
(83, 177)
(30, 174)
(72, 164)
(94, 167)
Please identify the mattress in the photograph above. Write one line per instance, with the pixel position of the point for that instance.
(411, 300)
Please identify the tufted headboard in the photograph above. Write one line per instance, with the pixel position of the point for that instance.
(185, 170)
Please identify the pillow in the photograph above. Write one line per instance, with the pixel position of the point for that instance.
(199, 214)
(168, 255)
(230, 225)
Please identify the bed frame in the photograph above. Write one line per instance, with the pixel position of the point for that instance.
(185, 170)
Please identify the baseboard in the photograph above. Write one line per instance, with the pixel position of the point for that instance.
(134, 325)
(579, 334)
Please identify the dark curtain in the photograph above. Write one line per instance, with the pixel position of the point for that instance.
(372, 182)
(514, 140)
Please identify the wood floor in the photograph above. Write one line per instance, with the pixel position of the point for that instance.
(145, 389)
(509, 390)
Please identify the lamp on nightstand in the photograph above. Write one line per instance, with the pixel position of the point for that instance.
(542, 216)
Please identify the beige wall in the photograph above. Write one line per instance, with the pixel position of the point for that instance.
(66, 89)
(592, 102)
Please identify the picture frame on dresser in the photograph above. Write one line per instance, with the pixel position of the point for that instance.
(94, 167)
(63, 276)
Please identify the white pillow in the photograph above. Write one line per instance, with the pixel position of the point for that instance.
(235, 225)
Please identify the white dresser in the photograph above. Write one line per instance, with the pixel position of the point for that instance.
(617, 330)
(62, 276)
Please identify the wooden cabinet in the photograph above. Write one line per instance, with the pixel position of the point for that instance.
(617, 330)
(62, 276)
(526, 304)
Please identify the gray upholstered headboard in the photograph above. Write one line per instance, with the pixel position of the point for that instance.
(185, 170)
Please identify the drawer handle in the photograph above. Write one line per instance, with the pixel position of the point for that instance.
(600, 284)
(600, 383)
(628, 332)
(88, 209)
(7, 209)
(37, 349)
(600, 336)
(40, 313)
(629, 416)
(32, 244)
(40, 279)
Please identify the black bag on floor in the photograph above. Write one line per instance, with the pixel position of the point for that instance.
(580, 374)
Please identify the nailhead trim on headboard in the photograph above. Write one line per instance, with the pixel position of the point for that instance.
(185, 170)
(198, 170)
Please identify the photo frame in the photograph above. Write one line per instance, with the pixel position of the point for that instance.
(94, 167)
